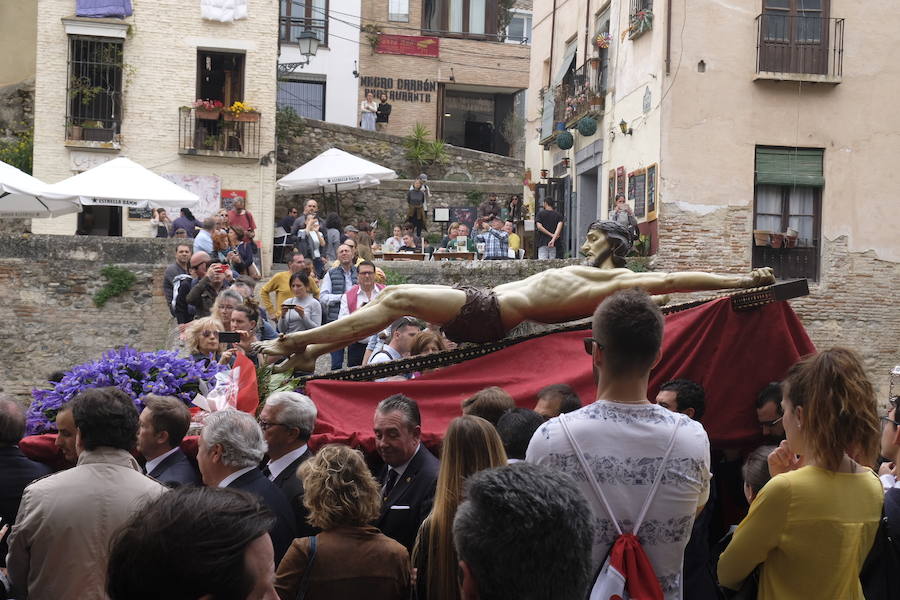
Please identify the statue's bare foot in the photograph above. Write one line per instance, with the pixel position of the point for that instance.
(759, 277)
(660, 299)
(300, 361)
(283, 345)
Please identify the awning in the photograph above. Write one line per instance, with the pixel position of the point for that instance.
(24, 196)
(567, 60)
(335, 170)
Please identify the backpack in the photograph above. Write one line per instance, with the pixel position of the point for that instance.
(626, 573)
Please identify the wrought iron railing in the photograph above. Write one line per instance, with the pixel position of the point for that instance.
(218, 133)
(577, 95)
(799, 44)
(94, 90)
(789, 262)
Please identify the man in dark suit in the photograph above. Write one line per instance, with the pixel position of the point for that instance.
(409, 476)
(16, 471)
(163, 424)
(287, 421)
(230, 450)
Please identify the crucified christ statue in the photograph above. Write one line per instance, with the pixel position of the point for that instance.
(478, 315)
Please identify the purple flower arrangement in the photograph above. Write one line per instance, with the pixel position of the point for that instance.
(136, 373)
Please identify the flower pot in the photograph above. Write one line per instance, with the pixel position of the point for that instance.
(776, 240)
(97, 134)
(247, 117)
(210, 115)
(760, 238)
(75, 132)
(790, 241)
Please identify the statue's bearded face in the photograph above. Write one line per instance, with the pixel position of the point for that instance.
(595, 246)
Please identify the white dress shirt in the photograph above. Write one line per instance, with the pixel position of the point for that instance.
(154, 462)
(280, 464)
(235, 475)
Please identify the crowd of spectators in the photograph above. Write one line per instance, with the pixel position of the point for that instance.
(513, 503)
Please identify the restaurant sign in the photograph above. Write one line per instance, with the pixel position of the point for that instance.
(409, 45)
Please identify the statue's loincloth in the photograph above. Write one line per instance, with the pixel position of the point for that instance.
(479, 318)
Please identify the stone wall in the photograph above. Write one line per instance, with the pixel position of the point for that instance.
(466, 171)
(853, 304)
(16, 108)
(49, 320)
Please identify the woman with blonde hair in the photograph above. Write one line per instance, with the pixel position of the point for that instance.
(351, 559)
(202, 339)
(471, 444)
(812, 525)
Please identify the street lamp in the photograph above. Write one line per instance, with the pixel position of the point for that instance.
(308, 44)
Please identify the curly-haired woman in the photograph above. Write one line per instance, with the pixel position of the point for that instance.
(352, 559)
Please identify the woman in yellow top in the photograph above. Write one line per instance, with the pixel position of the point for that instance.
(812, 526)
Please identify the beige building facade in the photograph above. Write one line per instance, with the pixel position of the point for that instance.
(18, 30)
(742, 136)
(458, 67)
(109, 87)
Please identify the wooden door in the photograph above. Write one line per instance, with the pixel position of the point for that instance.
(793, 36)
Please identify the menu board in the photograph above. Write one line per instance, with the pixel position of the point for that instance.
(637, 192)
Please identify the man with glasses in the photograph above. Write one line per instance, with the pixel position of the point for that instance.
(355, 298)
(287, 222)
(182, 285)
(287, 421)
(769, 413)
(631, 443)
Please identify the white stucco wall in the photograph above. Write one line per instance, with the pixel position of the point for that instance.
(334, 64)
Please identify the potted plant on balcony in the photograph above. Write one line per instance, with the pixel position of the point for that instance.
(94, 131)
(241, 112)
(208, 109)
(640, 22)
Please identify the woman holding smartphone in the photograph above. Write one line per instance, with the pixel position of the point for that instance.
(301, 312)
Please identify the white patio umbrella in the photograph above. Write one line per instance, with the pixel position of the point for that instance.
(23, 196)
(122, 182)
(335, 169)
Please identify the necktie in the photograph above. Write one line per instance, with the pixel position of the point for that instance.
(267, 472)
(390, 482)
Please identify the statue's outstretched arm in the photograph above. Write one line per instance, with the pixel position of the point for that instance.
(693, 281)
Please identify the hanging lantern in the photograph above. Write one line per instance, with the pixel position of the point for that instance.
(564, 140)
(587, 126)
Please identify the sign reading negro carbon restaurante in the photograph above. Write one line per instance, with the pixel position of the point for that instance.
(404, 90)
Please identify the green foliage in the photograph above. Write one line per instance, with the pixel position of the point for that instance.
(474, 197)
(288, 124)
(638, 264)
(373, 35)
(82, 89)
(118, 281)
(267, 383)
(19, 152)
(422, 151)
(504, 16)
(394, 278)
(641, 246)
(433, 238)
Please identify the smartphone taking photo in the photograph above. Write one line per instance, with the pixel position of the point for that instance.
(229, 337)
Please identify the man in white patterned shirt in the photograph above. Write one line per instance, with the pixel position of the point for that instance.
(624, 439)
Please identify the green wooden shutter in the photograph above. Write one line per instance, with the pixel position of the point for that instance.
(790, 166)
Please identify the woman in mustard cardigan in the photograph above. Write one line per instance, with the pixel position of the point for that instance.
(812, 526)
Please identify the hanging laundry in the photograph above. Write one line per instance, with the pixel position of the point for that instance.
(223, 10)
(103, 8)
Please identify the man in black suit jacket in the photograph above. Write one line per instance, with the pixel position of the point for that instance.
(163, 424)
(409, 476)
(288, 420)
(16, 471)
(231, 447)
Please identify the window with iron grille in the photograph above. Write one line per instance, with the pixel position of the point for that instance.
(306, 98)
(94, 107)
(301, 15)
(787, 211)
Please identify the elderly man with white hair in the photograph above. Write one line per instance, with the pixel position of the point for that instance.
(288, 420)
(230, 450)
